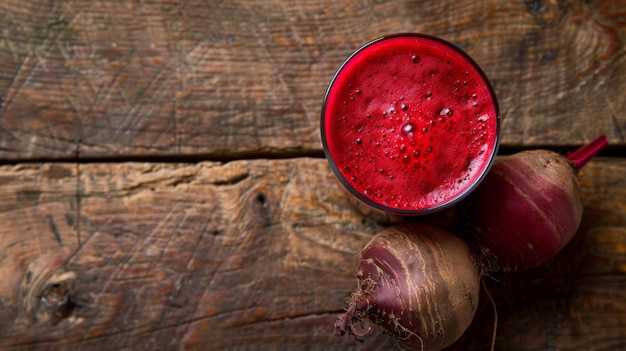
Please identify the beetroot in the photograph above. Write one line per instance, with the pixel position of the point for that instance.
(527, 208)
(416, 282)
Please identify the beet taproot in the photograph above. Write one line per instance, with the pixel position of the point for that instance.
(416, 282)
(527, 208)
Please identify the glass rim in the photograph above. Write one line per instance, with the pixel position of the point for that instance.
(390, 209)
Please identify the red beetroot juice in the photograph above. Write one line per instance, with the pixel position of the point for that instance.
(410, 124)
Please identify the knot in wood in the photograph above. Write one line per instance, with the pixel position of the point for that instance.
(55, 302)
(55, 295)
(48, 297)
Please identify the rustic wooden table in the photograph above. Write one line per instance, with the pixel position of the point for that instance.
(163, 186)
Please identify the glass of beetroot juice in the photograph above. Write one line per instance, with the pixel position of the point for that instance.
(410, 124)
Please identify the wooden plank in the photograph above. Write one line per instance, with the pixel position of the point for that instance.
(255, 254)
(247, 77)
(171, 255)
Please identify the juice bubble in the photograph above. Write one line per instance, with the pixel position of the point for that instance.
(408, 129)
(445, 112)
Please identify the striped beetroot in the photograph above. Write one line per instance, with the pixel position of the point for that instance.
(416, 282)
(527, 208)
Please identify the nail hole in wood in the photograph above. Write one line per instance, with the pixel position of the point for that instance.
(261, 200)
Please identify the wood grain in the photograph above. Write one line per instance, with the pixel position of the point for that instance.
(254, 254)
(225, 79)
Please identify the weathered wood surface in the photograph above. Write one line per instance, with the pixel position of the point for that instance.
(255, 254)
(221, 79)
(260, 254)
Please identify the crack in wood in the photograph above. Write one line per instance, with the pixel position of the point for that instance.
(78, 195)
(55, 230)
